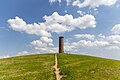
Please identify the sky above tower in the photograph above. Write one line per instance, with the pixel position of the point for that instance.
(90, 27)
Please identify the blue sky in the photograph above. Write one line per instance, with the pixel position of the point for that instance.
(90, 27)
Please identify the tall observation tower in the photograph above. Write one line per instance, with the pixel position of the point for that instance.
(61, 44)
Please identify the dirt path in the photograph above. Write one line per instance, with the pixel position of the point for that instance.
(58, 77)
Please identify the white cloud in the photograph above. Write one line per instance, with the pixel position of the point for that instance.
(77, 47)
(68, 2)
(52, 50)
(46, 39)
(59, 28)
(87, 43)
(59, 24)
(49, 41)
(71, 47)
(39, 29)
(94, 3)
(115, 39)
(113, 48)
(100, 42)
(19, 24)
(39, 43)
(43, 44)
(86, 36)
(54, 23)
(76, 3)
(53, 1)
(87, 3)
(47, 49)
(24, 53)
(110, 42)
(4, 56)
(116, 29)
(101, 36)
(81, 12)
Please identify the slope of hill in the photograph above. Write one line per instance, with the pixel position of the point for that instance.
(72, 67)
(32, 67)
(79, 67)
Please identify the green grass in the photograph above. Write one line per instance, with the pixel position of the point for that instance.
(32, 67)
(72, 67)
(79, 67)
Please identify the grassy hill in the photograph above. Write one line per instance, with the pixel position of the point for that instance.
(32, 67)
(72, 67)
(78, 67)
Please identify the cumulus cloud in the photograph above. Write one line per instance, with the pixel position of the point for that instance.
(87, 3)
(70, 48)
(86, 43)
(116, 29)
(109, 42)
(18, 24)
(45, 49)
(85, 36)
(44, 42)
(68, 23)
(94, 3)
(38, 44)
(113, 39)
(54, 23)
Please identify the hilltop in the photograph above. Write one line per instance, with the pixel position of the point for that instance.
(72, 67)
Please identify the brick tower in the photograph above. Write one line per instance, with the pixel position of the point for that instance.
(61, 44)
